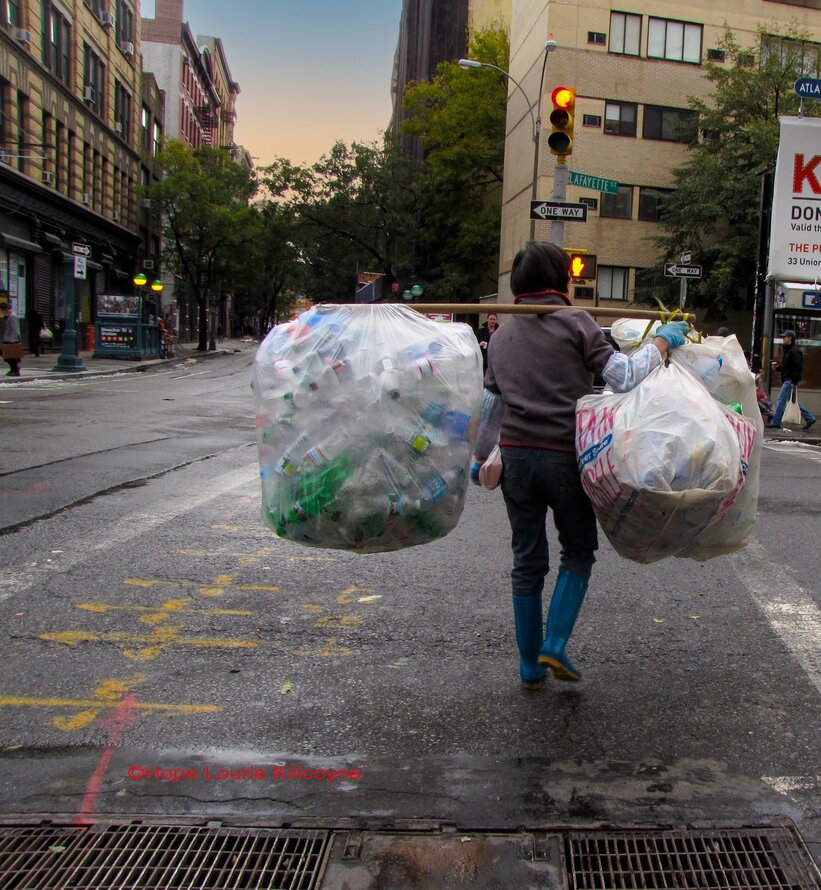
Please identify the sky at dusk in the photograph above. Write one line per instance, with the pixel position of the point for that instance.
(310, 72)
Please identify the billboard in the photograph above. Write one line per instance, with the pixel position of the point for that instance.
(795, 231)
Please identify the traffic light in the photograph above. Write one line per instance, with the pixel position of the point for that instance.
(582, 266)
(560, 140)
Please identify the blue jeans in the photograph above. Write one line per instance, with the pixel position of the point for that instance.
(781, 404)
(534, 480)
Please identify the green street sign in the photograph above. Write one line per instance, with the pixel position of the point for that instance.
(594, 182)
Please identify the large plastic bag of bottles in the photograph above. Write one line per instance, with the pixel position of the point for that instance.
(366, 415)
(661, 464)
(720, 365)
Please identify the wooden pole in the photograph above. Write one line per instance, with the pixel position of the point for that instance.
(520, 309)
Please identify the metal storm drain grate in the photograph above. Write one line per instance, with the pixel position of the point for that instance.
(743, 859)
(151, 857)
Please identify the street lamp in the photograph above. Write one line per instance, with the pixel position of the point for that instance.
(549, 47)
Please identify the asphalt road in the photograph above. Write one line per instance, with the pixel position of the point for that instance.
(153, 628)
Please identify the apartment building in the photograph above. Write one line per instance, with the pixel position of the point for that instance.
(71, 94)
(633, 65)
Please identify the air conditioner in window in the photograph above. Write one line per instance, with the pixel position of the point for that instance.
(115, 215)
(86, 198)
(148, 265)
(89, 95)
(107, 18)
(118, 127)
(21, 34)
(48, 177)
(146, 203)
(127, 47)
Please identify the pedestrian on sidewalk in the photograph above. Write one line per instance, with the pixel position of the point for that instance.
(12, 345)
(35, 326)
(538, 368)
(791, 367)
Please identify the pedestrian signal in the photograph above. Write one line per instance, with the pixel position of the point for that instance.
(560, 140)
(582, 266)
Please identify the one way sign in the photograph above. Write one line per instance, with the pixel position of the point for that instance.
(676, 270)
(558, 210)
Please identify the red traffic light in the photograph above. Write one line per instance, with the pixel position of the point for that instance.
(563, 97)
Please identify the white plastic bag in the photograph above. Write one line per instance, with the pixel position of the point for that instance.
(792, 413)
(630, 333)
(661, 463)
(720, 365)
(366, 416)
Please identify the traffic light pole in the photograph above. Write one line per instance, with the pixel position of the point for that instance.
(560, 180)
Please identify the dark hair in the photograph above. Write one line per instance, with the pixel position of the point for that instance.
(539, 266)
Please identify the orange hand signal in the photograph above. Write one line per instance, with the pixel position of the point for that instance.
(576, 267)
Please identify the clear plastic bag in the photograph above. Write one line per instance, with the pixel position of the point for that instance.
(366, 416)
(661, 464)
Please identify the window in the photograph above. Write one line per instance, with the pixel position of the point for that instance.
(591, 120)
(597, 37)
(618, 206)
(125, 23)
(584, 293)
(620, 118)
(156, 139)
(669, 124)
(625, 33)
(592, 203)
(651, 203)
(801, 57)
(94, 79)
(48, 143)
(71, 172)
(676, 41)
(122, 110)
(145, 129)
(611, 282)
(13, 13)
(715, 55)
(96, 6)
(56, 36)
(60, 181)
(22, 124)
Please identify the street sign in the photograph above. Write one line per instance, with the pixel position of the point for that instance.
(80, 249)
(558, 210)
(80, 267)
(673, 270)
(586, 181)
(685, 256)
(808, 87)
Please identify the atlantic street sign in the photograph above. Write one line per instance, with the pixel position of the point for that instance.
(558, 210)
(586, 181)
(674, 270)
(808, 87)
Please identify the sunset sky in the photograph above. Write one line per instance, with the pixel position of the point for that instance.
(310, 72)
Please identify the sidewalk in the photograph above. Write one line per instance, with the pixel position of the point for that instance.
(42, 367)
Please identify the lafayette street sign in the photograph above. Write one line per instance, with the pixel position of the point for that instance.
(594, 182)
(558, 210)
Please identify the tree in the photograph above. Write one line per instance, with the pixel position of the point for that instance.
(459, 119)
(715, 208)
(352, 210)
(206, 221)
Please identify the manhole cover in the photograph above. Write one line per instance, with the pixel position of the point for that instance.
(145, 857)
(738, 859)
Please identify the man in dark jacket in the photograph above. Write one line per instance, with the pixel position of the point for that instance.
(792, 362)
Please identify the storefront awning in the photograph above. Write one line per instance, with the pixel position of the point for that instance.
(20, 243)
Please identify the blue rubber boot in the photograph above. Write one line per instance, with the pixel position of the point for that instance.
(527, 611)
(568, 597)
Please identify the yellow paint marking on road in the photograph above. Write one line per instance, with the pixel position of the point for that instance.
(227, 527)
(223, 580)
(313, 558)
(107, 692)
(150, 582)
(254, 558)
(347, 596)
(265, 587)
(328, 650)
(186, 552)
(310, 607)
(22, 701)
(170, 606)
(160, 635)
(338, 621)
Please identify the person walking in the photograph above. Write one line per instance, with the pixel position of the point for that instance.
(539, 365)
(791, 367)
(12, 345)
(483, 335)
(35, 326)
